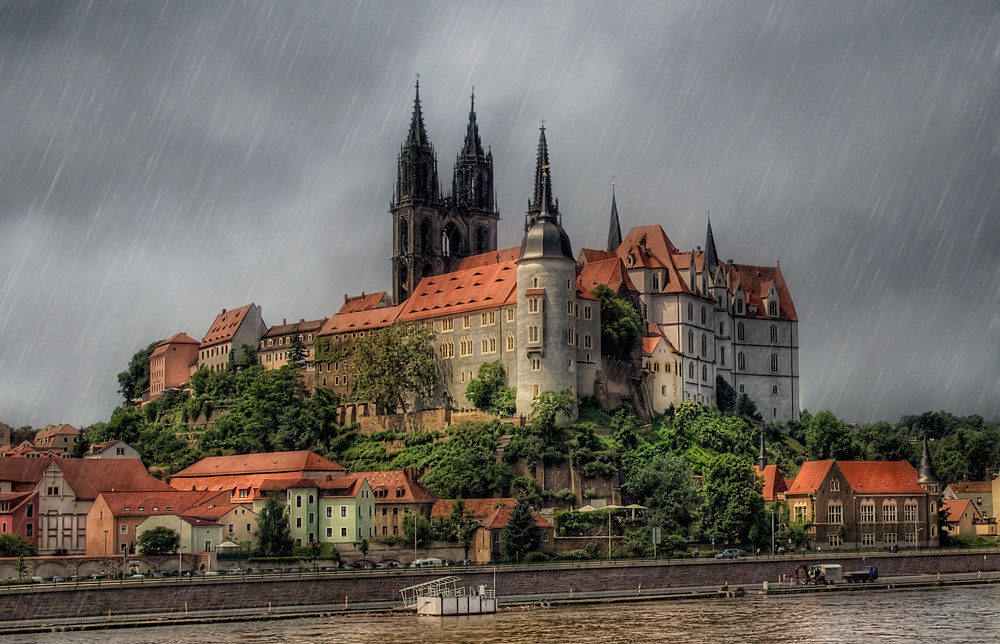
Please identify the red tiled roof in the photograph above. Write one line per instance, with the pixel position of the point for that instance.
(810, 477)
(390, 481)
(606, 271)
(752, 279)
(149, 503)
(498, 519)
(225, 326)
(299, 327)
(591, 255)
(478, 508)
(956, 508)
(57, 430)
(972, 487)
(886, 477)
(361, 320)
(364, 302)
(462, 291)
(177, 338)
(774, 483)
(89, 477)
(267, 463)
(342, 486)
(485, 259)
(100, 448)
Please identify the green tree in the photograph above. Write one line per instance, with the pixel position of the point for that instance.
(274, 534)
(547, 410)
(394, 364)
(158, 541)
(14, 545)
(297, 356)
(621, 328)
(666, 487)
(424, 531)
(487, 391)
(828, 437)
(725, 395)
(134, 380)
(734, 503)
(466, 464)
(521, 534)
(323, 406)
(882, 442)
(21, 567)
(747, 408)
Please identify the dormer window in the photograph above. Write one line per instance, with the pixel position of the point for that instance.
(656, 282)
(772, 309)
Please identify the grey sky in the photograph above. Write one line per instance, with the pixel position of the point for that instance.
(162, 161)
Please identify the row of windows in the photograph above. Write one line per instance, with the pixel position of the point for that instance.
(215, 351)
(741, 364)
(286, 341)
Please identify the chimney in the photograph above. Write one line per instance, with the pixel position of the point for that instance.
(345, 298)
(302, 320)
(284, 321)
(223, 311)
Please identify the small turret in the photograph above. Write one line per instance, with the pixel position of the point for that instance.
(762, 458)
(926, 477)
(615, 230)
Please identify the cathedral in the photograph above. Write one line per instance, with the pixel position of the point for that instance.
(532, 308)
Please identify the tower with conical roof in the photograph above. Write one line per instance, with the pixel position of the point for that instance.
(548, 312)
(925, 477)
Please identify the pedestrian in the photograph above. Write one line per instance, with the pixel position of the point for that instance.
(758, 553)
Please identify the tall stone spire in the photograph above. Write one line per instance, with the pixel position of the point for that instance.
(417, 176)
(417, 135)
(762, 458)
(472, 185)
(926, 477)
(615, 230)
(472, 150)
(711, 255)
(543, 201)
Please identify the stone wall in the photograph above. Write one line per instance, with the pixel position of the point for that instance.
(172, 595)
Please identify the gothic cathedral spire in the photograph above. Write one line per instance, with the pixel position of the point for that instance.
(711, 255)
(543, 200)
(615, 230)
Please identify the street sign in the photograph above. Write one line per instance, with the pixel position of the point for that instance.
(656, 535)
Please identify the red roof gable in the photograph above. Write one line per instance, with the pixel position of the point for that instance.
(498, 518)
(225, 326)
(298, 327)
(873, 477)
(810, 477)
(268, 463)
(955, 509)
(398, 479)
(753, 279)
(485, 259)
(462, 291)
(361, 320)
(774, 482)
(972, 487)
(364, 302)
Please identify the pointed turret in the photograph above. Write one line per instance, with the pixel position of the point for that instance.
(711, 255)
(472, 184)
(417, 135)
(472, 150)
(926, 477)
(615, 231)
(762, 457)
(543, 201)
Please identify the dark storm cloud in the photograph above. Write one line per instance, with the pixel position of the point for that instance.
(162, 161)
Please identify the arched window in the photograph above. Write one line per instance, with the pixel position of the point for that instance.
(691, 370)
(774, 362)
(889, 511)
(704, 315)
(404, 238)
(835, 512)
(704, 373)
(704, 345)
(656, 282)
(774, 333)
(690, 311)
(722, 355)
(298, 501)
(740, 332)
(772, 309)
(739, 307)
(741, 361)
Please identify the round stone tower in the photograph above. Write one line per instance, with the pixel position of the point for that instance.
(546, 298)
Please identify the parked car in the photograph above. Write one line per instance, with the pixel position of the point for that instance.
(465, 562)
(37, 579)
(236, 571)
(99, 575)
(159, 574)
(382, 565)
(729, 553)
(137, 575)
(347, 566)
(57, 578)
(365, 565)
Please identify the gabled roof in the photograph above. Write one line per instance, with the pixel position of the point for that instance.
(604, 271)
(15, 500)
(972, 487)
(755, 281)
(477, 508)
(462, 291)
(864, 477)
(485, 259)
(225, 326)
(365, 302)
(57, 430)
(398, 479)
(302, 326)
(774, 482)
(588, 255)
(100, 448)
(498, 518)
(956, 509)
(276, 463)
(341, 486)
(177, 338)
(88, 477)
(361, 320)
(145, 503)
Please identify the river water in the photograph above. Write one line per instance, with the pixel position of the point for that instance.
(949, 614)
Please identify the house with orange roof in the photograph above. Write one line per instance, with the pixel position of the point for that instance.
(867, 505)
(661, 365)
(58, 438)
(365, 302)
(325, 510)
(243, 475)
(171, 364)
(230, 331)
(333, 369)
(980, 492)
(276, 345)
(63, 492)
(487, 540)
(962, 516)
(397, 493)
(117, 518)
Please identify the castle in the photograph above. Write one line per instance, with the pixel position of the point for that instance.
(532, 308)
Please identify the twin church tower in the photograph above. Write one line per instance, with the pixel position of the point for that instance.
(433, 232)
